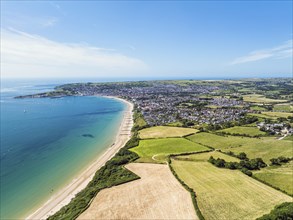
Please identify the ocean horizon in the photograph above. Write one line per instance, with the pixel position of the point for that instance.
(46, 143)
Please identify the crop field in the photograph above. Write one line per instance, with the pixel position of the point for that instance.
(262, 116)
(156, 150)
(265, 147)
(261, 99)
(205, 156)
(258, 108)
(227, 194)
(278, 114)
(251, 131)
(157, 195)
(278, 176)
(283, 108)
(165, 131)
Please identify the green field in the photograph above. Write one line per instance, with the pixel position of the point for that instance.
(227, 194)
(283, 108)
(251, 131)
(278, 176)
(206, 156)
(156, 150)
(165, 131)
(265, 147)
(278, 114)
(258, 108)
(262, 116)
(261, 99)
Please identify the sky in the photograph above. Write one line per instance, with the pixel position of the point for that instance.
(146, 39)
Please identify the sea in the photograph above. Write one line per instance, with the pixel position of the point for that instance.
(47, 142)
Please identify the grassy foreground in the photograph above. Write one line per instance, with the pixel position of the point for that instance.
(165, 131)
(265, 147)
(156, 150)
(227, 194)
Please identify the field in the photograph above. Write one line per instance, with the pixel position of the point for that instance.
(257, 108)
(278, 114)
(251, 131)
(261, 99)
(227, 194)
(157, 195)
(283, 108)
(165, 131)
(278, 176)
(205, 156)
(156, 150)
(265, 147)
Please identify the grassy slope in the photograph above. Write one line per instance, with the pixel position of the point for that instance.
(163, 147)
(278, 176)
(165, 131)
(251, 131)
(266, 148)
(227, 194)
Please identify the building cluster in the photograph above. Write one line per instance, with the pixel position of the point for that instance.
(162, 103)
(276, 128)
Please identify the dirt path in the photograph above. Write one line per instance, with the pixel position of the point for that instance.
(157, 195)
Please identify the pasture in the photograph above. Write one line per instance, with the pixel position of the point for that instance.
(283, 108)
(165, 131)
(156, 150)
(256, 98)
(205, 156)
(265, 147)
(278, 176)
(227, 194)
(157, 195)
(251, 131)
(278, 114)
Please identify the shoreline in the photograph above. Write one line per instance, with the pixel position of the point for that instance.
(64, 196)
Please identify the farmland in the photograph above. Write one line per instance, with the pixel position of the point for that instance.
(261, 99)
(265, 147)
(278, 176)
(156, 150)
(251, 131)
(278, 114)
(205, 156)
(157, 195)
(165, 131)
(283, 108)
(227, 194)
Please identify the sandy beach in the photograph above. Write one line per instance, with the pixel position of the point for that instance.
(64, 196)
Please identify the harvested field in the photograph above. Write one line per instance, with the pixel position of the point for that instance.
(157, 195)
(165, 131)
(227, 194)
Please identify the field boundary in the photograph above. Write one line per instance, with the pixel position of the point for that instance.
(190, 190)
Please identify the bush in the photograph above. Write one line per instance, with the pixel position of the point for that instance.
(280, 212)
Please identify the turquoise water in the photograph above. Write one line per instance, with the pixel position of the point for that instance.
(46, 142)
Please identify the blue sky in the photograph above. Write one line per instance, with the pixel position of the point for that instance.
(184, 39)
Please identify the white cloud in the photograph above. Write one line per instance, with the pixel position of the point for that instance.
(26, 55)
(279, 52)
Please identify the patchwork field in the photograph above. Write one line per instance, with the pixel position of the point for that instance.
(278, 176)
(156, 150)
(261, 99)
(165, 131)
(265, 147)
(251, 131)
(227, 194)
(157, 195)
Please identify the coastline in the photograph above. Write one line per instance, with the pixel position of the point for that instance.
(64, 196)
